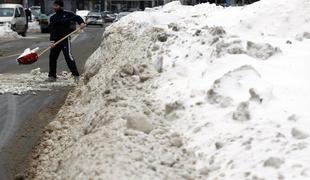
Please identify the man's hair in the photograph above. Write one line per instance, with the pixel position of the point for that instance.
(59, 2)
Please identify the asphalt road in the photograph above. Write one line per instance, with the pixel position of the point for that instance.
(22, 118)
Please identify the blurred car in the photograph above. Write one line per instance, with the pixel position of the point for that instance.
(94, 18)
(35, 12)
(108, 16)
(82, 13)
(14, 16)
(44, 22)
(120, 15)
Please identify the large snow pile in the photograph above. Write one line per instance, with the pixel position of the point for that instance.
(190, 92)
(6, 33)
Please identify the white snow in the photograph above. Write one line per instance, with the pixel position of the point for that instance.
(34, 26)
(6, 33)
(228, 88)
(33, 81)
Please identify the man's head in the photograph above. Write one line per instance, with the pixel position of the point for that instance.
(58, 5)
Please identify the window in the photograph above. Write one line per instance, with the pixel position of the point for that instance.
(17, 13)
(22, 12)
(6, 12)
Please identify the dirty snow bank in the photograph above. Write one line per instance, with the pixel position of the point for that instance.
(34, 26)
(6, 33)
(173, 94)
(34, 81)
(110, 127)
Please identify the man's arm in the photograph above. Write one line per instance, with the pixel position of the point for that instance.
(51, 27)
(79, 20)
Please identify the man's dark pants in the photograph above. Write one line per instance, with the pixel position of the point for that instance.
(65, 47)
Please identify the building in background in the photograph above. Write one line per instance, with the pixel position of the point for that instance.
(219, 2)
(11, 1)
(117, 5)
(46, 5)
(134, 5)
(34, 3)
(92, 5)
(131, 5)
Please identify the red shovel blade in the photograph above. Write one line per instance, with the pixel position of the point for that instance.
(28, 59)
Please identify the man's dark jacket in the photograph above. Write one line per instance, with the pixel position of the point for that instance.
(63, 23)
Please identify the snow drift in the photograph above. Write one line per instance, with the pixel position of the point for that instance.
(34, 27)
(6, 33)
(31, 82)
(190, 92)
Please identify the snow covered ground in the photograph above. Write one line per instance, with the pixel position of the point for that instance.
(34, 26)
(6, 33)
(30, 82)
(190, 92)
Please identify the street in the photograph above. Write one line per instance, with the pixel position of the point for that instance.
(23, 117)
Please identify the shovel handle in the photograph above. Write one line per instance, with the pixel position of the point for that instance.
(45, 50)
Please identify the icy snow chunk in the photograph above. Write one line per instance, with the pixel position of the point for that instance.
(174, 26)
(162, 37)
(139, 122)
(217, 31)
(219, 145)
(298, 134)
(155, 47)
(302, 36)
(261, 51)
(176, 140)
(144, 78)
(255, 95)
(238, 86)
(306, 35)
(128, 70)
(54, 125)
(170, 107)
(292, 117)
(138, 156)
(242, 113)
(36, 71)
(274, 162)
(224, 47)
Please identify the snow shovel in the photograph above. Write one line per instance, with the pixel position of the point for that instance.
(31, 57)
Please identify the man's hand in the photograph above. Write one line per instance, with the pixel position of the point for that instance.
(82, 26)
(52, 44)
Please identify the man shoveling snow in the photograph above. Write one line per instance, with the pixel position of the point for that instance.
(60, 26)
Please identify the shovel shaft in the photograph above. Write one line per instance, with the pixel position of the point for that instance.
(47, 49)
